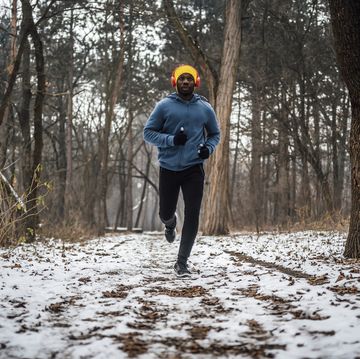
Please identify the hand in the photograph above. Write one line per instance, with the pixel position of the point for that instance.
(180, 138)
(203, 152)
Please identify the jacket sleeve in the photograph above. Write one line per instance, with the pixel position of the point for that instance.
(213, 131)
(153, 128)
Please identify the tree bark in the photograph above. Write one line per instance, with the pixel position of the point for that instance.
(266, 170)
(255, 166)
(217, 209)
(293, 181)
(335, 160)
(24, 29)
(62, 155)
(129, 176)
(24, 120)
(69, 122)
(120, 214)
(345, 19)
(33, 219)
(4, 128)
(305, 192)
(233, 181)
(283, 190)
(143, 193)
(343, 147)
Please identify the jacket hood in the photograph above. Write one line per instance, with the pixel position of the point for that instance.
(176, 97)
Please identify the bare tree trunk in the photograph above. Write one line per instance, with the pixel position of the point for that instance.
(154, 214)
(24, 31)
(283, 191)
(12, 58)
(114, 95)
(305, 192)
(129, 181)
(318, 205)
(38, 130)
(120, 214)
(217, 209)
(91, 170)
(345, 18)
(130, 136)
(335, 159)
(255, 166)
(143, 193)
(266, 170)
(62, 158)
(13, 35)
(343, 146)
(293, 180)
(24, 120)
(234, 179)
(69, 122)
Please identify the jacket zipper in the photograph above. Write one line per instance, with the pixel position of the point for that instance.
(183, 147)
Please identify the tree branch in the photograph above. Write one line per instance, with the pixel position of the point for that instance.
(24, 31)
(194, 49)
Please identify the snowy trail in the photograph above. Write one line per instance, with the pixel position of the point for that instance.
(273, 296)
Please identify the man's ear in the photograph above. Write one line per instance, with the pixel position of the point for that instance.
(197, 80)
(173, 80)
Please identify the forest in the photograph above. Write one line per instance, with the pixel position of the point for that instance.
(79, 79)
(86, 272)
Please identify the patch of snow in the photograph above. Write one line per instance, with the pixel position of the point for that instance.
(275, 295)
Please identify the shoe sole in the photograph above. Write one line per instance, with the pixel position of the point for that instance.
(185, 275)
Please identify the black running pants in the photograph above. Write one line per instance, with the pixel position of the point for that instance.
(191, 183)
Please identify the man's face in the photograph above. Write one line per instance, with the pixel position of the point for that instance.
(185, 84)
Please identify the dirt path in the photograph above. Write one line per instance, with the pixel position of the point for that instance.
(118, 298)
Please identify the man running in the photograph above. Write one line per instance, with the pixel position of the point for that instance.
(184, 128)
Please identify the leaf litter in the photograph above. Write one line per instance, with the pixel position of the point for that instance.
(254, 296)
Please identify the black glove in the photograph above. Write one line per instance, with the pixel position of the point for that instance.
(180, 138)
(203, 152)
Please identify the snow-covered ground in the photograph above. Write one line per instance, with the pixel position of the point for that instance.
(268, 296)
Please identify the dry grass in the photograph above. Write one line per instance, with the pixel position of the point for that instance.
(69, 232)
(78, 231)
(339, 224)
(326, 223)
(17, 208)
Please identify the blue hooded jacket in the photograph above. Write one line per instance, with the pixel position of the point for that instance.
(198, 119)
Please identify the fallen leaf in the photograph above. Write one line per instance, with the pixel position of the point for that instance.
(318, 280)
(344, 290)
(340, 277)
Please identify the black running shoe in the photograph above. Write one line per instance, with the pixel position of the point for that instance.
(182, 270)
(170, 230)
(170, 234)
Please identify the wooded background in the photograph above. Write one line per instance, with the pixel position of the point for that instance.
(78, 80)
